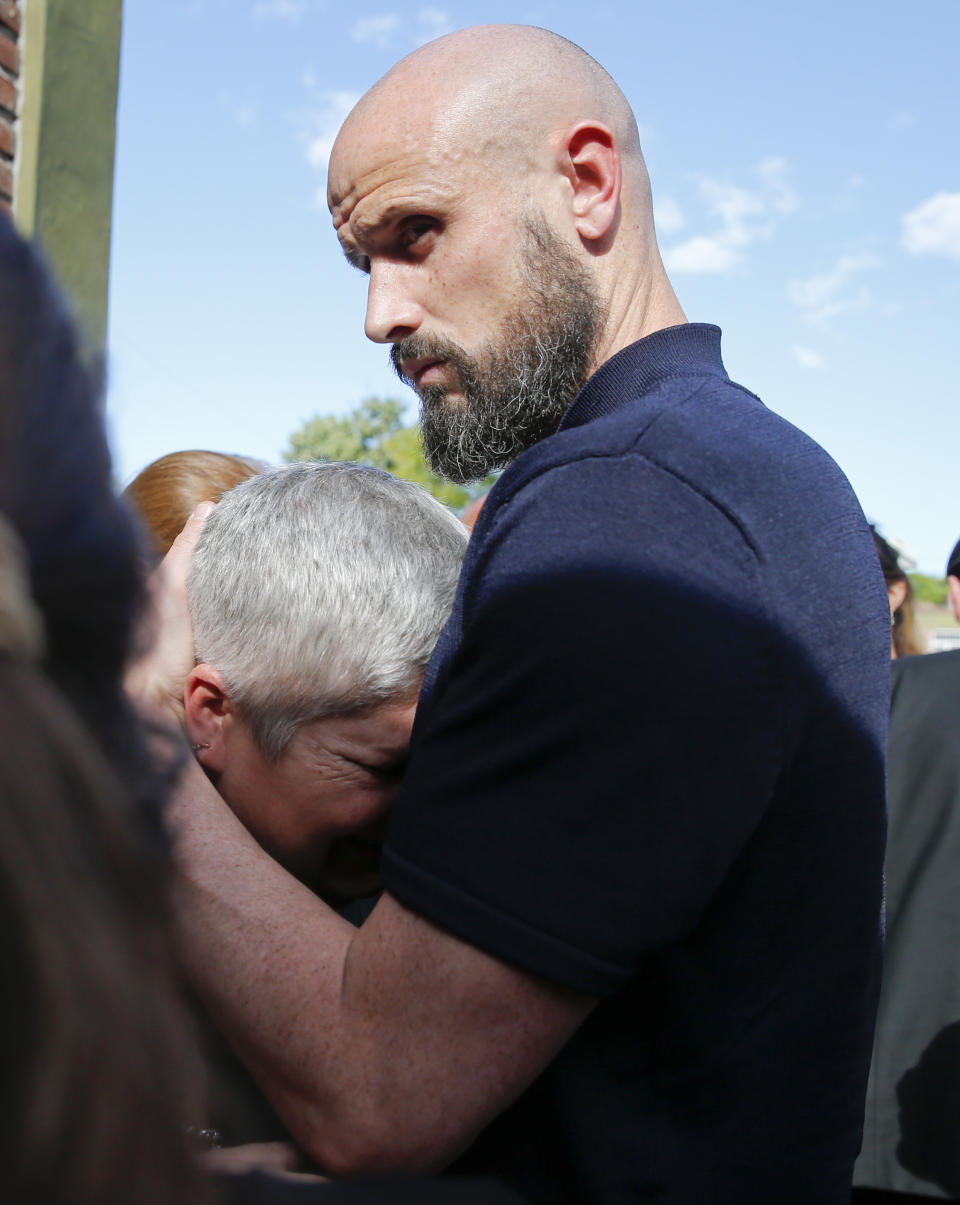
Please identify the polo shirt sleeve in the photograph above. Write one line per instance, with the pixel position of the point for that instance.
(605, 735)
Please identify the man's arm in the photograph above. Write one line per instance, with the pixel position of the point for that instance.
(385, 1047)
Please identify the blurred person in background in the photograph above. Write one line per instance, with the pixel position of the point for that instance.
(471, 512)
(953, 579)
(165, 493)
(911, 1140)
(904, 638)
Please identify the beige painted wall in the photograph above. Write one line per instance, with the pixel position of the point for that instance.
(64, 179)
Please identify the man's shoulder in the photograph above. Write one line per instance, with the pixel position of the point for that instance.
(598, 496)
(643, 432)
(697, 434)
(704, 491)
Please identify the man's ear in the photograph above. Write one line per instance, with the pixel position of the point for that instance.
(953, 586)
(208, 712)
(591, 162)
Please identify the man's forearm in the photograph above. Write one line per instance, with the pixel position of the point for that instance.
(266, 955)
(382, 1048)
(387, 1047)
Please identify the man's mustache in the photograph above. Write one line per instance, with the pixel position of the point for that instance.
(418, 347)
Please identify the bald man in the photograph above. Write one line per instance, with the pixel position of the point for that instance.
(628, 947)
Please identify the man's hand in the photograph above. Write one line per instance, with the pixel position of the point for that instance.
(154, 681)
(383, 1049)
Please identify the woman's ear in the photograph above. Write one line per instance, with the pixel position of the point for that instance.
(896, 593)
(207, 712)
(953, 589)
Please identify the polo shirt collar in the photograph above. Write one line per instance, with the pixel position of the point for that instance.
(692, 349)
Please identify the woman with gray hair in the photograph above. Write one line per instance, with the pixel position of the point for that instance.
(317, 593)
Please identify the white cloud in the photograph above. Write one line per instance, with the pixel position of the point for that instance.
(280, 10)
(700, 254)
(829, 294)
(668, 216)
(735, 207)
(806, 357)
(773, 172)
(745, 215)
(848, 198)
(933, 228)
(323, 125)
(375, 29)
(245, 116)
(430, 23)
(433, 23)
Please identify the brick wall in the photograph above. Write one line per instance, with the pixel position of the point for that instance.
(10, 13)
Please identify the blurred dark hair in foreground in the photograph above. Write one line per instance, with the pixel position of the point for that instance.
(98, 1082)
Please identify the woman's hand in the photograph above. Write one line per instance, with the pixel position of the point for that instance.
(279, 1158)
(154, 681)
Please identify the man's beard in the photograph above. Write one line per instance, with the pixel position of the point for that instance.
(517, 387)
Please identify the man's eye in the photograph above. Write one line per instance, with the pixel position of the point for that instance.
(415, 231)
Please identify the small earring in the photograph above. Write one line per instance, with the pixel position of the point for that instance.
(197, 748)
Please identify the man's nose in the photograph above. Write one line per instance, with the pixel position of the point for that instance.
(392, 313)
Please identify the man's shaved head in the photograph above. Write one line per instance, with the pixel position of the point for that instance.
(498, 81)
(500, 92)
(493, 188)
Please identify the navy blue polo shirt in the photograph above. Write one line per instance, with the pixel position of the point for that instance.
(648, 765)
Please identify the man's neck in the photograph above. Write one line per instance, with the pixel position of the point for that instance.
(651, 307)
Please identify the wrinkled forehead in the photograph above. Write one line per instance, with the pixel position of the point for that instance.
(413, 126)
(386, 127)
(362, 161)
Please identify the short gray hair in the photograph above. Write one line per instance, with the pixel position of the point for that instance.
(319, 589)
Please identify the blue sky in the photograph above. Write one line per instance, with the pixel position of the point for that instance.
(806, 179)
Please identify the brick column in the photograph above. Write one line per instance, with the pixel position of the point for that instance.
(9, 98)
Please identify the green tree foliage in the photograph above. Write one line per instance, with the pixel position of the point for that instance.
(357, 436)
(374, 434)
(929, 589)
